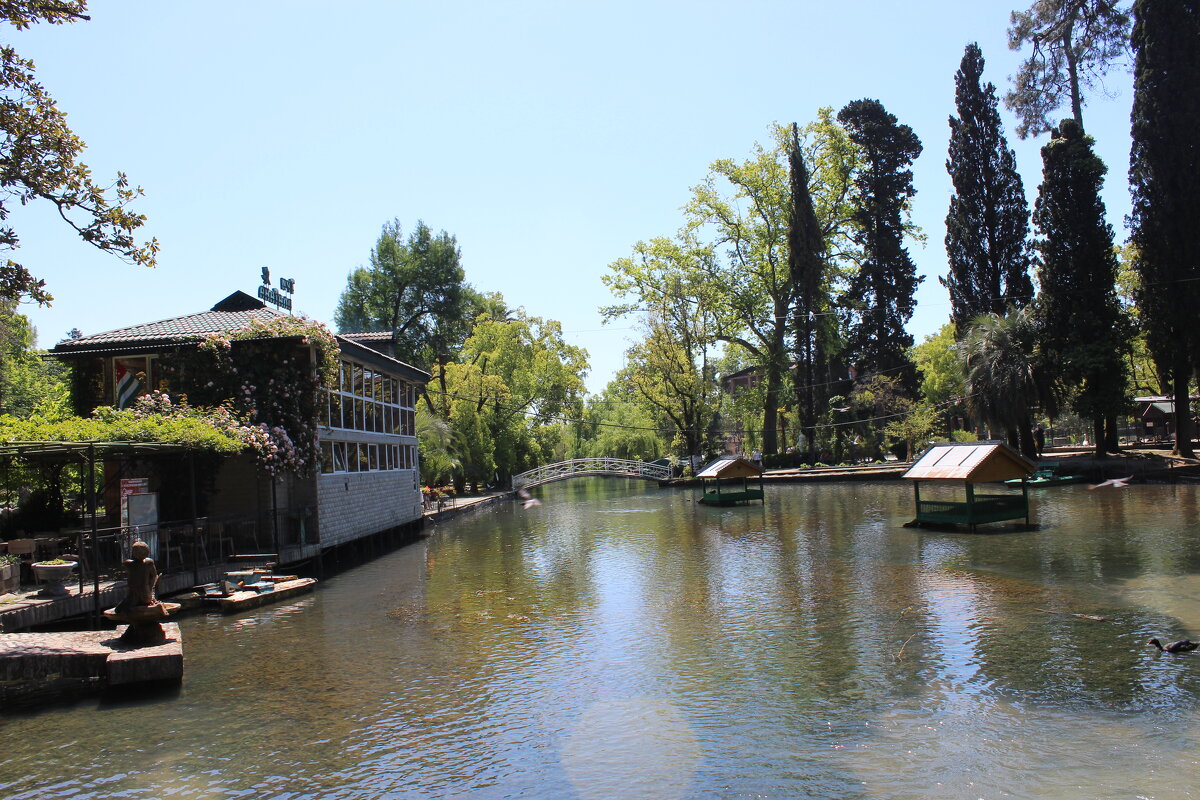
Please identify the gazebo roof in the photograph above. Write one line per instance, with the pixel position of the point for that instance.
(973, 462)
(731, 467)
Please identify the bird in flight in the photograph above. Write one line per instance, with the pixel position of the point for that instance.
(527, 500)
(1116, 483)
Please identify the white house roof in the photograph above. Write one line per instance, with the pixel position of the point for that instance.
(973, 462)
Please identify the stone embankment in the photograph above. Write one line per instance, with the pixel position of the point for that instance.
(39, 668)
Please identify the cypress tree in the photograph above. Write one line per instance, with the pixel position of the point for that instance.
(881, 294)
(988, 221)
(1080, 319)
(806, 263)
(1164, 178)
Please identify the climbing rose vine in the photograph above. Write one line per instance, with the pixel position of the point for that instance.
(270, 374)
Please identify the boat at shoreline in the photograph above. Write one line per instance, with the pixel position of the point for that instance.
(1046, 476)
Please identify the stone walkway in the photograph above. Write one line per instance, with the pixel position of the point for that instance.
(463, 504)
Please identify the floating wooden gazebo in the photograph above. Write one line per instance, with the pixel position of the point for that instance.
(971, 463)
(736, 474)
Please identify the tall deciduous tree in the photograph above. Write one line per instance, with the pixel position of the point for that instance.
(1164, 167)
(515, 379)
(1072, 44)
(988, 220)
(881, 296)
(414, 288)
(744, 205)
(39, 160)
(671, 370)
(1082, 328)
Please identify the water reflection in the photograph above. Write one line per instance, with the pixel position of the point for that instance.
(619, 640)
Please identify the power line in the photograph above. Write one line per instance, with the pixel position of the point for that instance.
(672, 431)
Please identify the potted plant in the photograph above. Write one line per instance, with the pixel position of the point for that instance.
(54, 572)
(10, 573)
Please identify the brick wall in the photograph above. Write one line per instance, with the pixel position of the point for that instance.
(356, 504)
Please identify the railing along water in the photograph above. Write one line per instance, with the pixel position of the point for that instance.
(586, 467)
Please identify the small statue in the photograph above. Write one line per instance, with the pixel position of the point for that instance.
(140, 608)
(142, 578)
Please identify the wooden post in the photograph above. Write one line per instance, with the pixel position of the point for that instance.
(971, 505)
(195, 528)
(95, 534)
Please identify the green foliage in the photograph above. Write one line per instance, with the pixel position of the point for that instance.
(29, 384)
(915, 428)
(988, 219)
(1072, 44)
(616, 424)
(745, 207)
(1083, 332)
(998, 357)
(153, 418)
(271, 374)
(504, 400)
(1163, 165)
(941, 369)
(880, 298)
(808, 265)
(41, 155)
(434, 438)
(413, 288)
(670, 370)
(1146, 376)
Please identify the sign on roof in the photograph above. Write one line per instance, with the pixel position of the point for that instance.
(281, 297)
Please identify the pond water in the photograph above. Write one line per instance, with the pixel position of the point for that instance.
(623, 641)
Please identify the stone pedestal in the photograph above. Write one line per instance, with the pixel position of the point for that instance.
(144, 623)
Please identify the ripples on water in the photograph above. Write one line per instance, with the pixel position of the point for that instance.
(621, 641)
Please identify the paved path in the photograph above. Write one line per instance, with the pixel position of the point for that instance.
(460, 505)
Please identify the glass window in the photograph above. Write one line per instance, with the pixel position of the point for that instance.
(373, 452)
(335, 410)
(356, 387)
(326, 457)
(339, 456)
(364, 459)
(346, 382)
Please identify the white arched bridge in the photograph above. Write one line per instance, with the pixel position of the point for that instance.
(587, 467)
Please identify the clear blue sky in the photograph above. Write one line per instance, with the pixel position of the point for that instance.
(549, 137)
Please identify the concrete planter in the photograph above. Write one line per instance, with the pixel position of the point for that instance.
(54, 575)
(10, 578)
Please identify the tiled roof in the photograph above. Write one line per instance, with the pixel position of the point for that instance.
(369, 336)
(176, 329)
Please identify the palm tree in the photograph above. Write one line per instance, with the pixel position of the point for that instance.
(997, 354)
(435, 440)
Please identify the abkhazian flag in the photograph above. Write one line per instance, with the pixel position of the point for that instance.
(128, 387)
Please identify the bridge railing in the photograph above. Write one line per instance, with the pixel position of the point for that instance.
(579, 467)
